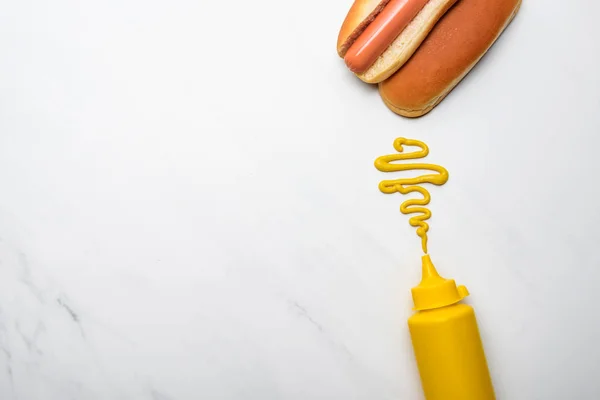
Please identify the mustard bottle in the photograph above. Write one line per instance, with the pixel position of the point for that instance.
(446, 341)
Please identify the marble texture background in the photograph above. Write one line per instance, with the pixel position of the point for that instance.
(189, 207)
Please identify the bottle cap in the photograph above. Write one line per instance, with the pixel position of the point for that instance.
(435, 291)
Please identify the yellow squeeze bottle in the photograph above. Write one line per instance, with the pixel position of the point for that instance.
(446, 341)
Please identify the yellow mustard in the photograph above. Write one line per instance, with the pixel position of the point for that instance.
(408, 185)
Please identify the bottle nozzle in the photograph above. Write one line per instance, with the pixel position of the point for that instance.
(429, 272)
(435, 291)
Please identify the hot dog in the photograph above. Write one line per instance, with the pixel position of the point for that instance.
(379, 36)
(451, 50)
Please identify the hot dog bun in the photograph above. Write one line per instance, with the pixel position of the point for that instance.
(363, 12)
(451, 50)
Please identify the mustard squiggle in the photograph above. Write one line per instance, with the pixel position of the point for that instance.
(408, 185)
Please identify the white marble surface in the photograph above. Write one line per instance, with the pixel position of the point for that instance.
(189, 211)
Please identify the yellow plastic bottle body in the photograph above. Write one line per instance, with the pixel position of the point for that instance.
(450, 354)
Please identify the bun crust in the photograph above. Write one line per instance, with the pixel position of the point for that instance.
(454, 46)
